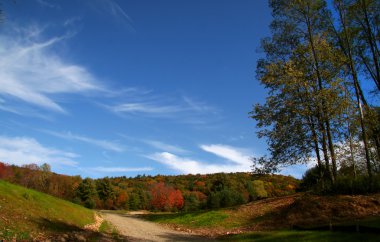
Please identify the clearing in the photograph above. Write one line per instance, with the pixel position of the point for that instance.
(136, 229)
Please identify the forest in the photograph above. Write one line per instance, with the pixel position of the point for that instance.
(155, 193)
(321, 71)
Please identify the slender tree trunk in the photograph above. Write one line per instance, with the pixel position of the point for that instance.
(352, 151)
(324, 148)
(324, 115)
(316, 148)
(372, 44)
(358, 92)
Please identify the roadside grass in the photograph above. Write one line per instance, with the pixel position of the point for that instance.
(369, 222)
(26, 214)
(270, 217)
(309, 236)
(214, 218)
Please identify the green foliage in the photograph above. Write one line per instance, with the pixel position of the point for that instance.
(224, 198)
(359, 185)
(191, 202)
(315, 60)
(311, 179)
(259, 189)
(86, 193)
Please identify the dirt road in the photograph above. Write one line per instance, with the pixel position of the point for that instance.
(140, 230)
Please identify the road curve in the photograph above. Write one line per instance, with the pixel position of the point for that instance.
(140, 230)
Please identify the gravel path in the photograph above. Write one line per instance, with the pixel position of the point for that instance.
(140, 230)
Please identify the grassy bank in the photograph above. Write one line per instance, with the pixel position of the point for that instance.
(27, 214)
(278, 218)
(309, 236)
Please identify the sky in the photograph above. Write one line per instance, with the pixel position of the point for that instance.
(120, 88)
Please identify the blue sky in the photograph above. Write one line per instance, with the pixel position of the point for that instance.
(110, 88)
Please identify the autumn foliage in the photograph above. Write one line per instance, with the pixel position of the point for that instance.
(166, 198)
(162, 193)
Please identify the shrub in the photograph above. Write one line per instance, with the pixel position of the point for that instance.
(259, 189)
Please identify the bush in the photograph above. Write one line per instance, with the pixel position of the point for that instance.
(360, 185)
(259, 189)
(90, 203)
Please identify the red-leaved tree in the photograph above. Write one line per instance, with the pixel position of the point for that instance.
(166, 198)
(2, 170)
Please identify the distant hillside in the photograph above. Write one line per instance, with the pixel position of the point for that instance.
(27, 214)
(157, 193)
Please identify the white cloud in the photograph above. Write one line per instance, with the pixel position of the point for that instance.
(24, 150)
(120, 169)
(148, 104)
(233, 154)
(48, 4)
(111, 8)
(146, 108)
(105, 144)
(190, 166)
(31, 72)
(197, 106)
(165, 147)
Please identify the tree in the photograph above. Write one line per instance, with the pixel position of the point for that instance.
(166, 198)
(259, 189)
(86, 192)
(106, 192)
(305, 73)
(2, 170)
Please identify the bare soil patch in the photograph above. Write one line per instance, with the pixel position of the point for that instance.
(140, 230)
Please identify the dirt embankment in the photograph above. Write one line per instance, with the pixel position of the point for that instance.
(299, 210)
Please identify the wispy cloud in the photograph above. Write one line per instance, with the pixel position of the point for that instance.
(25, 150)
(145, 108)
(191, 166)
(198, 106)
(120, 169)
(113, 9)
(105, 144)
(48, 4)
(165, 147)
(31, 73)
(237, 155)
(151, 105)
(236, 160)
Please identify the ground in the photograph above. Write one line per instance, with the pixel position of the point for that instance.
(136, 229)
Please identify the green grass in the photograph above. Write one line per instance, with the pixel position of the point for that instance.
(192, 219)
(308, 236)
(24, 213)
(369, 222)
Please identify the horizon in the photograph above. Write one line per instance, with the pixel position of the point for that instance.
(122, 88)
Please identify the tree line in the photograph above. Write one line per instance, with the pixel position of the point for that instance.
(156, 193)
(321, 68)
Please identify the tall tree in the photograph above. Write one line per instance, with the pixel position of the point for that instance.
(302, 71)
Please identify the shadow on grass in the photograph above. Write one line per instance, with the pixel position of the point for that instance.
(56, 225)
(311, 236)
(56, 229)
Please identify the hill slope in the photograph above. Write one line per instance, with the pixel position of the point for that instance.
(284, 213)
(28, 214)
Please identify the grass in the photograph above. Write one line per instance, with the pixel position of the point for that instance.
(268, 215)
(26, 213)
(214, 218)
(308, 236)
